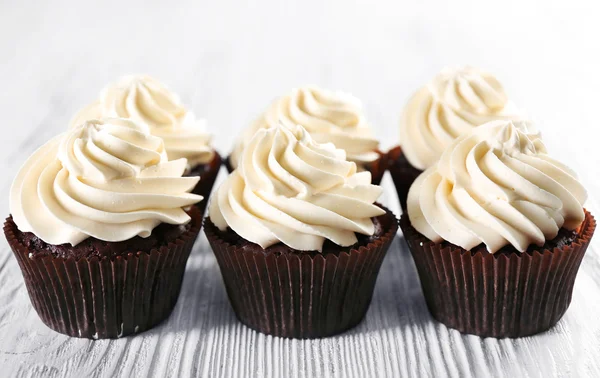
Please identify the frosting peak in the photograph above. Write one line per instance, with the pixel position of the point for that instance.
(469, 90)
(109, 179)
(329, 116)
(453, 103)
(103, 150)
(291, 189)
(146, 100)
(496, 185)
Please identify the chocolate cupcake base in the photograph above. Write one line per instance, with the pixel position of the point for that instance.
(208, 174)
(377, 167)
(100, 297)
(506, 294)
(296, 294)
(403, 174)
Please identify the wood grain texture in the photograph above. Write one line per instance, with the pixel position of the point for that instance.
(227, 60)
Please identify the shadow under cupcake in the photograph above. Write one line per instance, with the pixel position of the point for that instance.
(298, 236)
(497, 230)
(99, 230)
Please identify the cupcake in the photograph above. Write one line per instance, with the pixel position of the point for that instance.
(146, 100)
(298, 236)
(329, 117)
(99, 228)
(497, 230)
(453, 103)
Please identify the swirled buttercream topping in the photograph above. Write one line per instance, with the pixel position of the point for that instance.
(328, 116)
(292, 190)
(496, 185)
(146, 100)
(109, 179)
(453, 103)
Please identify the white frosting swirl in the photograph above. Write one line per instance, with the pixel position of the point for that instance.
(454, 102)
(328, 116)
(293, 190)
(497, 186)
(109, 179)
(146, 100)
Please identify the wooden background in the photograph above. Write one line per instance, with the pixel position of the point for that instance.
(228, 59)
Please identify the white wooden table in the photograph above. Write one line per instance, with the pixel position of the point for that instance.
(227, 60)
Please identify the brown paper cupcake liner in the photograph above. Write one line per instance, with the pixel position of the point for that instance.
(207, 181)
(227, 163)
(300, 295)
(497, 295)
(377, 167)
(101, 298)
(403, 174)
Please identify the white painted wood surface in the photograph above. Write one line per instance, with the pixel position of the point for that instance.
(227, 59)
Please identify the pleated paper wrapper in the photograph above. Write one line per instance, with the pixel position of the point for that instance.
(207, 180)
(497, 295)
(402, 172)
(301, 295)
(100, 298)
